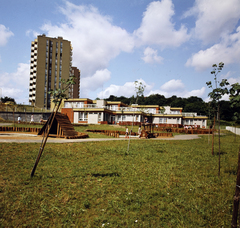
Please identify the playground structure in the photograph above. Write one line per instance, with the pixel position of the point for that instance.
(62, 128)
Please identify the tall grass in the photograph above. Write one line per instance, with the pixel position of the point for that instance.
(98, 184)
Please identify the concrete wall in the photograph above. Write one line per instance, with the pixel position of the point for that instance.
(25, 116)
(234, 130)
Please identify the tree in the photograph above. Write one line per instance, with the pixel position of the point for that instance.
(155, 99)
(57, 96)
(179, 102)
(5, 99)
(216, 94)
(139, 89)
(235, 99)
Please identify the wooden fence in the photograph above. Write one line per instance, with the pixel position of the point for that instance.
(20, 129)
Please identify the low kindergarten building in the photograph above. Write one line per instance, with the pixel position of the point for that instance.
(84, 110)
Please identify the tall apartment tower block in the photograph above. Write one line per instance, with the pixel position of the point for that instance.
(51, 61)
(76, 87)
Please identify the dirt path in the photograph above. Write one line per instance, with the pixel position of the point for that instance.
(9, 137)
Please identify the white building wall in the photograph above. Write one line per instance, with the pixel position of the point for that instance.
(129, 118)
(75, 117)
(100, 103)
(93, 118)
(155, 120)
(172, 121)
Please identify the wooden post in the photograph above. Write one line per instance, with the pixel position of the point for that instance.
(48, 127)
(213, 136)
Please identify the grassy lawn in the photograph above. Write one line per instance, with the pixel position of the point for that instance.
(97, 184)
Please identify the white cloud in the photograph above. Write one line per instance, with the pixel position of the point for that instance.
(214, 19)
(151, 56)
(127, 90)
(176, 87)
(170, 88)
(5, 34)
(172, 85)
(230, 79)
(31, 32)
(156, 27)
(94, 38)
(16, 84)
(227, 51)
(14, 93)
(196, 92)
(94, 82)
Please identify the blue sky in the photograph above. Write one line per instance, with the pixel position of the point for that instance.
(168, 45)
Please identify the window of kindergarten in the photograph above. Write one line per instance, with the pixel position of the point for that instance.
(83, 116)
(162, 120)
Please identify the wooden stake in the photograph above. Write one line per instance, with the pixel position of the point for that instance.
(213, 136)
(48, 127)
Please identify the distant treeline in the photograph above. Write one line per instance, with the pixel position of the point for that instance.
(190, 104)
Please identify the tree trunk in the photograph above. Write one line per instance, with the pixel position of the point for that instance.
(236, 197)
(219, 149)
(235, 133)
(213, 128)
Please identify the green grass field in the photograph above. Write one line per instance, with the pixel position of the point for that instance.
(98, 184)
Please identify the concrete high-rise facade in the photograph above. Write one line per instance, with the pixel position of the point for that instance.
(51, 61)
(76, 87)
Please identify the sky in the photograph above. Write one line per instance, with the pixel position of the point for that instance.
(169, 45)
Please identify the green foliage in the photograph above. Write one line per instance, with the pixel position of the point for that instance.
(235, 100)
(6, 99)
(220, 87)
(139, 88)
(94, 184)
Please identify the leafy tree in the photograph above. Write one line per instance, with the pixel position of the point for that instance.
(195, 104)
(5, 99)
(112, 98)
(139, 89)
(227, 110)
(155, 99)
(179, 102)
(171, 99)
(216, 94)
(125, 100)
(194, 99)
(235, 99)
